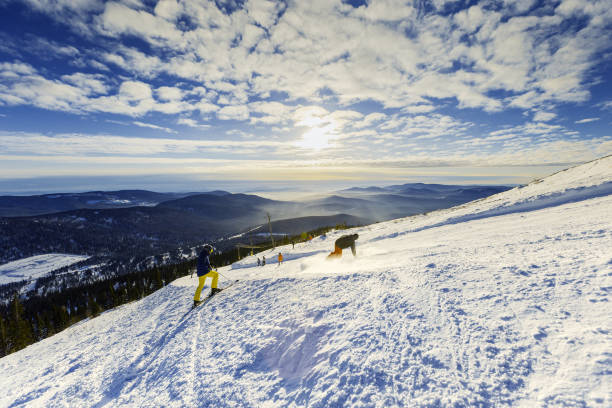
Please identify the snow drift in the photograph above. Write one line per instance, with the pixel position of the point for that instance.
(499, 302)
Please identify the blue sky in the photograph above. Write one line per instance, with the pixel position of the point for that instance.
(288, 92)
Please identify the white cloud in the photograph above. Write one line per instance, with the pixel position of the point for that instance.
(168, 9)
(369, 120)
(19, 143)
(191, 123)
(169, 93)
(118, 19)
(22, 84)
(309, 116)
(425, 108)
(14, 70)
(392, 10)
(92, 83)
(152, 126)
(587, 120)
(541, 116)
(470, 19)
(205, 107)
(236, 112)
(605, 105)
(278, 68)
(135, 91)
(262, 12)
(135, 61)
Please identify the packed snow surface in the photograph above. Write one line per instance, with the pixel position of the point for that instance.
(35, 267)
(499, 302)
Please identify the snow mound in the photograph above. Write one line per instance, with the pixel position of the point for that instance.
(493, 303)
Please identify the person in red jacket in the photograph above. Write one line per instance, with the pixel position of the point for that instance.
(345, 241)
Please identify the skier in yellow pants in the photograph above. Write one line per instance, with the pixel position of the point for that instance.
(205, 271)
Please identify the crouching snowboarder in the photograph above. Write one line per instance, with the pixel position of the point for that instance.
(205, 270)
(345, 241)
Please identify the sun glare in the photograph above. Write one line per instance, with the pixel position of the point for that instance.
(316, 138)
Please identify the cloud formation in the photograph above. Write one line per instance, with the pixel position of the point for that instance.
(398, 54)
(408, 81)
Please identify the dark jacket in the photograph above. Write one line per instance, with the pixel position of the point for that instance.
(347, 241)
(203, 263)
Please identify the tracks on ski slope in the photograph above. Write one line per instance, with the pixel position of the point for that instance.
(140, 365)
(368, 332)
(193, 357)
(165, 352)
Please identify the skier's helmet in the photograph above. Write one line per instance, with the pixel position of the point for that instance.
(208, 249)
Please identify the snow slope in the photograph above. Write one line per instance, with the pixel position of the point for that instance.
(499, 302)
(35, 267)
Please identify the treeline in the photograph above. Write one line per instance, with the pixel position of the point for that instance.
(26, 321)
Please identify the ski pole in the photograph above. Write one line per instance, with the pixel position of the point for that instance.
(222, 275)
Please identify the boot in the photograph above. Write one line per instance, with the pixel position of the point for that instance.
(196, 302)
(215, 290)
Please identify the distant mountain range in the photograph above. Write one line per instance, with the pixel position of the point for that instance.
(121, 229)
(20, 206)
(385, 203)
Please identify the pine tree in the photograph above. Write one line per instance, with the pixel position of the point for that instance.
(3, 338)
(41, 327)
(158, 279)
(21, 328)
(61, 318)
(93, 307)
(114, 296)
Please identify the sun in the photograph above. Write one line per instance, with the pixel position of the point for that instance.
(317, 138)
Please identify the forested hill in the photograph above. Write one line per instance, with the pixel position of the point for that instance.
(21, 206)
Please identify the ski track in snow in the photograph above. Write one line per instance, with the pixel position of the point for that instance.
(500, 302)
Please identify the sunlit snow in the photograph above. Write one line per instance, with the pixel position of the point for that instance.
(499, 302)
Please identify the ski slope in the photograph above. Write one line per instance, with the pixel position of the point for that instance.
(36, 267)
(500, 302)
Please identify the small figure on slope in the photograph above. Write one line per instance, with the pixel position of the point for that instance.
(258, 261)
(280, 258)
(345, 241)
(205, 270)
(263, 261)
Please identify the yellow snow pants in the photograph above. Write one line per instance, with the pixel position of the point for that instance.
(212, 274)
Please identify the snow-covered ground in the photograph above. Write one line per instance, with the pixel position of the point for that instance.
(36, 267)
(499, 302)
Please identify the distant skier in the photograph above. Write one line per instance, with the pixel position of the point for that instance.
(263, 261)
(205, 270)
(258, 261)
(280, 258)
(345, 241)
